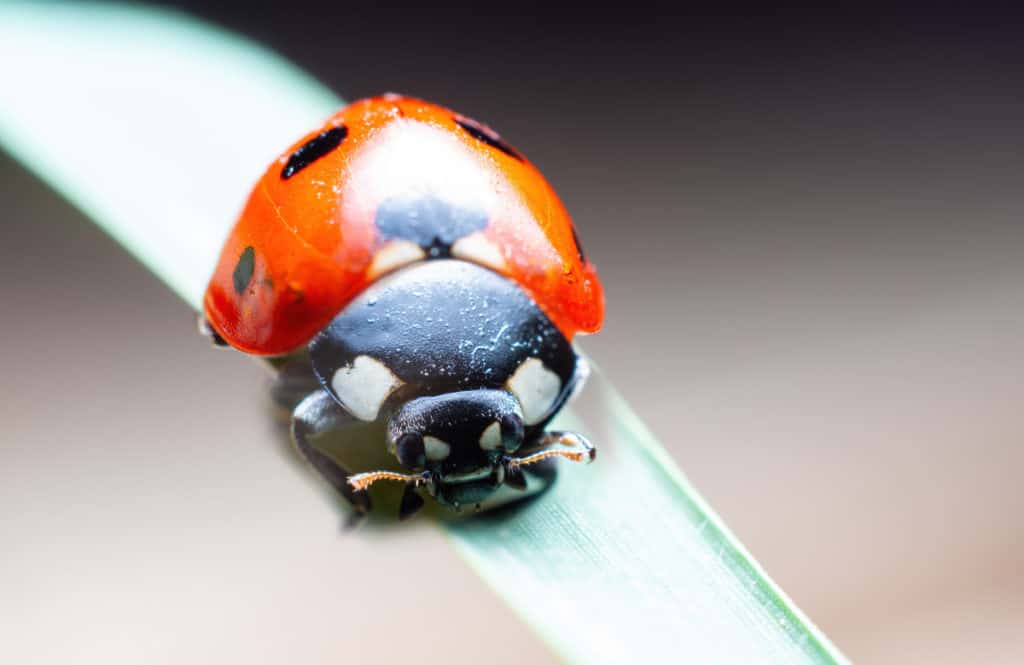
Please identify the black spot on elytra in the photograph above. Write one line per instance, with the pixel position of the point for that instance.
(430, 222)
(244, 269)
(579, 245)
(486, 135)
(313, 149)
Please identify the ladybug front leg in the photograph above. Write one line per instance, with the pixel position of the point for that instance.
(316, 414)
(207, 331)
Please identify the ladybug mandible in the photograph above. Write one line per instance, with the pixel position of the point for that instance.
(406, 265)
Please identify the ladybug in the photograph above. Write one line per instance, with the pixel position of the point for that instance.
(403, 264)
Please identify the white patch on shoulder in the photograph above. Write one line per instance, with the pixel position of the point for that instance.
(435, 449)
(491, 438)
(363, 386)
(394, 255)
(476, 248)
(536, 387)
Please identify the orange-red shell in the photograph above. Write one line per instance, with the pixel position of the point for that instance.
(314, 238)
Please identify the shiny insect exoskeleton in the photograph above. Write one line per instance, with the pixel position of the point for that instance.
(407, 266)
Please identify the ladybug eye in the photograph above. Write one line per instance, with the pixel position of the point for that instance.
(486, 135)
(313, 149)
(410, 450)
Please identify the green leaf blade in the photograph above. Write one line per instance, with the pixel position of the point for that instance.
(156, 125)
(152, 123)
(625, 548)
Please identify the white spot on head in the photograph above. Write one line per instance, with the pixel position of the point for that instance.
(536, 387)
(363, 386)
(394, 255)
(476, 248)
(435, 449)
(491, 438)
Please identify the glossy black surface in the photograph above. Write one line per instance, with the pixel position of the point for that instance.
(459, 419)
(313, 150)
(443, 326)
(486, 135)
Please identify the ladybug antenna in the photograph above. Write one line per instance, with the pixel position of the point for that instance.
(362, 481)
(577, 449)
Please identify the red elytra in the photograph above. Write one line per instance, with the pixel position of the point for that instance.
(308, 240)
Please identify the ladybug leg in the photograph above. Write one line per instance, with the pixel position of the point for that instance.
(206, 330)
(293, 381)
(316, 414)
(572, 445)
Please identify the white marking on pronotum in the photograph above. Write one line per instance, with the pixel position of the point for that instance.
(491, 438)
(435, 449)
(536, 387)
(363, 386)
(478, 249)
(394, 255)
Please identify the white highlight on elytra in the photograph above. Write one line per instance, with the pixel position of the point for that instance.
(476, 248)
(435, 449)
(413, 159)
(363, 386)
(394, 255)
(536, 387)
(491, 438)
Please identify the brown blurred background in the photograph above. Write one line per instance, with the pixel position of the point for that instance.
(809, 228)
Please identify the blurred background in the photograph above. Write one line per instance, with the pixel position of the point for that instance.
(810, 232)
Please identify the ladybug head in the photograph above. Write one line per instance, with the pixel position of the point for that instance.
(464, 447)
(463, 441)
